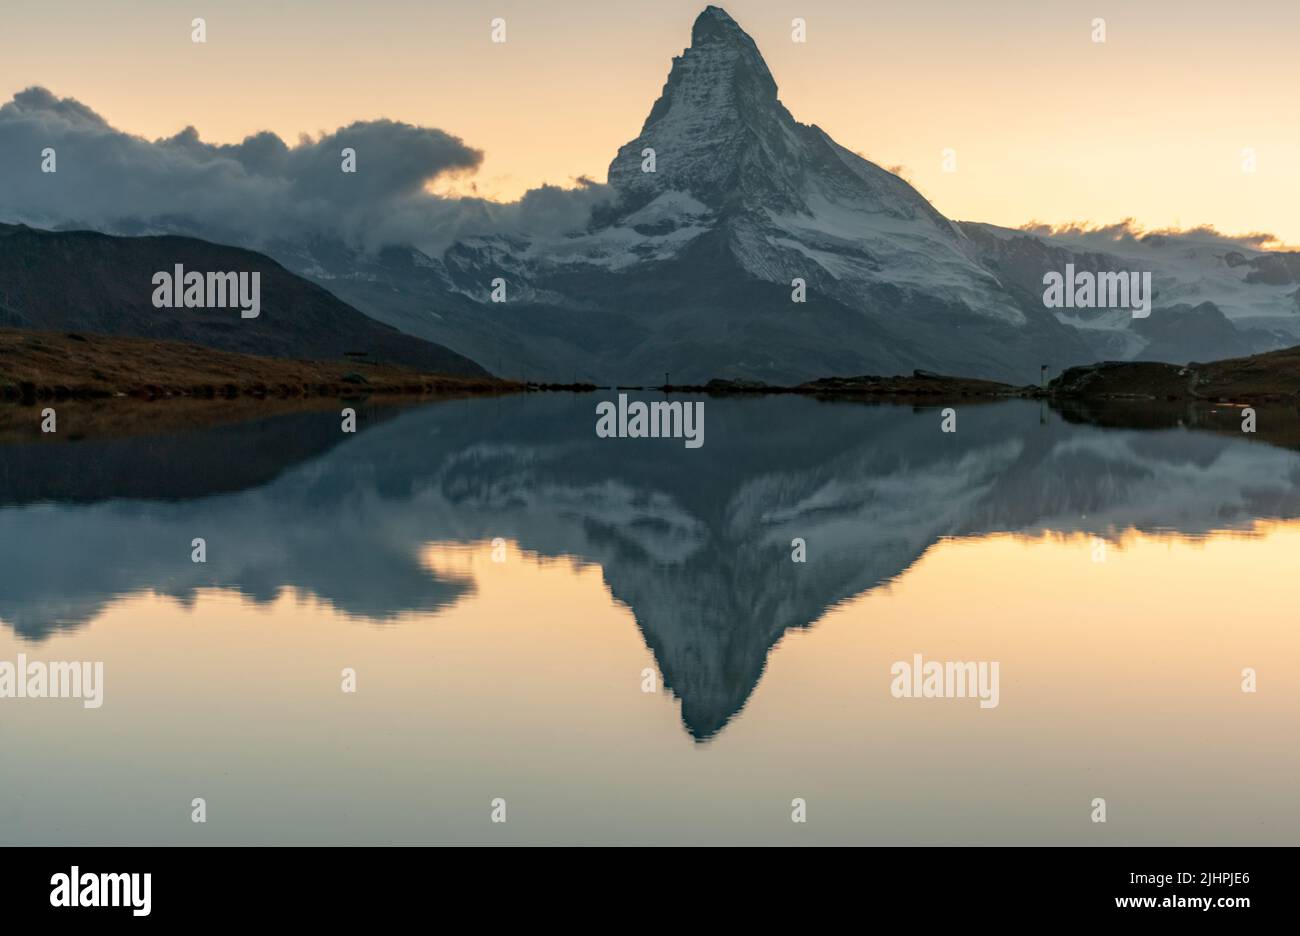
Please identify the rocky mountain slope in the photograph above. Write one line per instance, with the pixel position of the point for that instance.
(79, 281)
(688, 269)
(1214, 298)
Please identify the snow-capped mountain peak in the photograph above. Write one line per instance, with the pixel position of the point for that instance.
(716, 127)
(738, 242)
(719, 133)
(791, 202)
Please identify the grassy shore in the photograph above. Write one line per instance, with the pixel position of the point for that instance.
(40, 365)
(1273, 377)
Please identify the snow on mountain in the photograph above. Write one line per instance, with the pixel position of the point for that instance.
(1247, 284)
(791, 202)
(690, 268)
(1214, 297)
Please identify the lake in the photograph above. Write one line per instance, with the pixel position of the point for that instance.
(609, 639)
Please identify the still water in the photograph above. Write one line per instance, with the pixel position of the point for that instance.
(505, 585)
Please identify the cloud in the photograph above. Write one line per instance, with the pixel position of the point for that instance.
(261, 189)
(1129, 231)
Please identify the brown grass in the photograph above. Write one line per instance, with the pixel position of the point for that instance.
(52, 365)
(1273, 377)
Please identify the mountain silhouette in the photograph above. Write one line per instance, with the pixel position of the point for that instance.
(721, 211)
(82, 281)
(690, 269)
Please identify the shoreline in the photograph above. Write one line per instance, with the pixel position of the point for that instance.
(38, 366)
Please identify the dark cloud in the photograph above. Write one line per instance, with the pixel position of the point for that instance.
(260, 189)
(1129, 230)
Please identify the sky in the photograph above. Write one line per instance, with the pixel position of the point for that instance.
(1047, 125)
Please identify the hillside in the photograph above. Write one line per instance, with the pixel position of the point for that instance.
(45, 365)
(1270, 377)
(90, 283)
(690, 268)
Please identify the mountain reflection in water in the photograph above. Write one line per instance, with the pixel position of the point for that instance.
(696, 543)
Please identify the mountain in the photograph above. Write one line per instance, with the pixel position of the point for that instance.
(80, 281)
(690, 268)
(1214, 297)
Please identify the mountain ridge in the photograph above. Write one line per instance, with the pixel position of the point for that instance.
(88, 281)
(689, 272)
(690, 269)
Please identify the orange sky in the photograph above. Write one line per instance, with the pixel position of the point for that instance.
(1046, 124)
